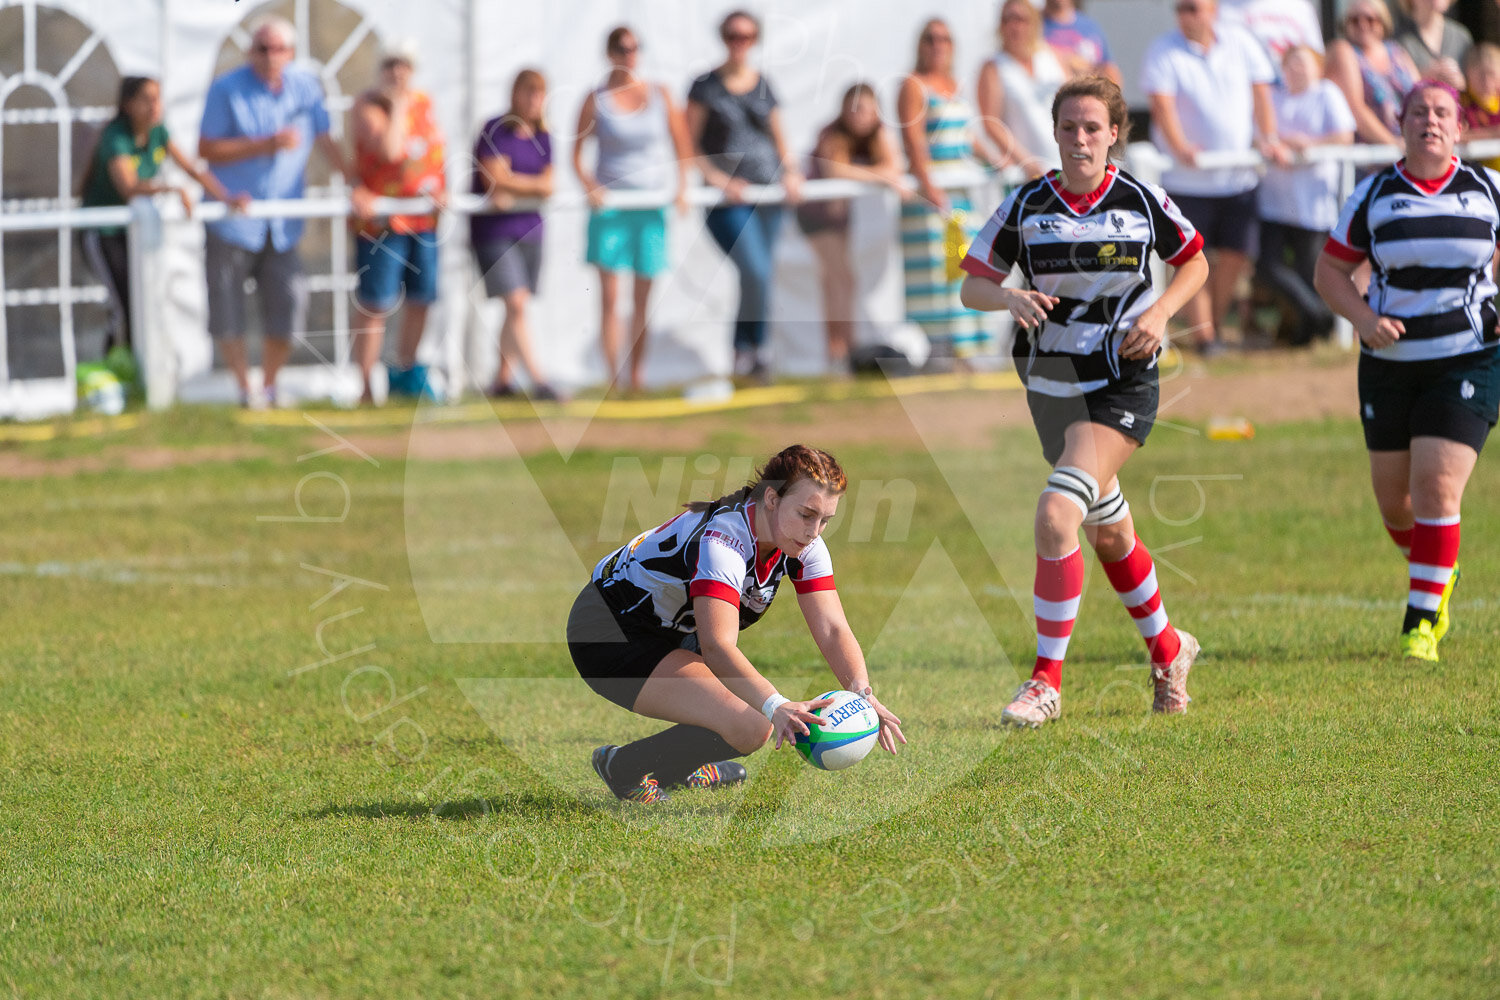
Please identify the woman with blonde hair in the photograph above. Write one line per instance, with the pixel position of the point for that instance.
(1016, 87)
(1373, 72)
(937, 132)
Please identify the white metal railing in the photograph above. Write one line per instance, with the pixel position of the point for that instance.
(146, 220)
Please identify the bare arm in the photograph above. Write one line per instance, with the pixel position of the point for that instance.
(682, 143)
(1028, 306)
(829, 626)
(697, 120)
(393, 142)
(911, 109)
(333, 154)
(825, 617)
(1164, 116)
(1267, 143)
(991, 97)
(1265, 112)
(1334, 280)
(586, 177)
(835, 160)
(791, 174)
(504, 181)
(886, 165)
(233, 148)
(1149, 331)
(991, 116)
(207, 180)
(1343, 69)
(122, 174)
(718, 636)
(381, 132)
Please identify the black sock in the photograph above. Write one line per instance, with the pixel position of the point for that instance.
(1416, 615)
(669, 756)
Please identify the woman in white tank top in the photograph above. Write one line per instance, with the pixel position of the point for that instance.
(639, 132)
(1016, 88)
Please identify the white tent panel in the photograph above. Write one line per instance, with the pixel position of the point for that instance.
(471, 49)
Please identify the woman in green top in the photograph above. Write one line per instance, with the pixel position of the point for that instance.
(123, 165)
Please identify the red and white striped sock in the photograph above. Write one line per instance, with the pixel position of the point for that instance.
(1434, 550)
(1134, 579)
(1402, 538)
(1055, 597)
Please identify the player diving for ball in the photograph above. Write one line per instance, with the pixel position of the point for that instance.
(656, 630)
(1089, 331)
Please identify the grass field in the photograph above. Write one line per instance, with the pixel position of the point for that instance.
(255, 752)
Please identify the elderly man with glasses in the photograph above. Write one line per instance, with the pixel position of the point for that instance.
(260, 122)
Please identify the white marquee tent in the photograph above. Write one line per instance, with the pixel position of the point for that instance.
(61, 60)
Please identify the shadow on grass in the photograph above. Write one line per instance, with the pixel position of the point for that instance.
(527, 806)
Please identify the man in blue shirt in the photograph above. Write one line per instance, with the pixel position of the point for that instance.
(259, 126)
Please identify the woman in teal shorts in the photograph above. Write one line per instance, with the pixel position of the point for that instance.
(637, 127)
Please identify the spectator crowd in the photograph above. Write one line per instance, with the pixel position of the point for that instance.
(1247, 75)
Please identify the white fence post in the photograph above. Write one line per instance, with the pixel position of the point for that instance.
(148, 296)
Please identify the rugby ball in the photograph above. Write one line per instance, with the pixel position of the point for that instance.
(848, 732)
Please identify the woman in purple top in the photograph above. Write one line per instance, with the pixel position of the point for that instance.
(513, 160)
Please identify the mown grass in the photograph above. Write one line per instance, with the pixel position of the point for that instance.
(191, 806)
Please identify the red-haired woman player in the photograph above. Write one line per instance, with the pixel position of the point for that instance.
(656, 631)
(1089, 329)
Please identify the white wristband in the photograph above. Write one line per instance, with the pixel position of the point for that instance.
(772, 703)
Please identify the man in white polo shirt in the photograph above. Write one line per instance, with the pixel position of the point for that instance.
(1210, 90)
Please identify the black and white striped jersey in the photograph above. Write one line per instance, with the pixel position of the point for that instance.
(1430, 244)
(1092, 252)
(709, 553)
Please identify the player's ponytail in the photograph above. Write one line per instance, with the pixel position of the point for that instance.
(785, 469)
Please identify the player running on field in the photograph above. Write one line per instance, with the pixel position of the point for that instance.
(1429, 360)
(656, 630)
(1089, 330)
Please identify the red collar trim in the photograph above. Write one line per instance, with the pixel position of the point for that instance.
(1081, 204)
(762, 569)
(1432, 186)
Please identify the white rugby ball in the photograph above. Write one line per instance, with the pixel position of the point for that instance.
(848, 732)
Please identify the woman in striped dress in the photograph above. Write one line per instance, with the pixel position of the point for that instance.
(937, 132)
